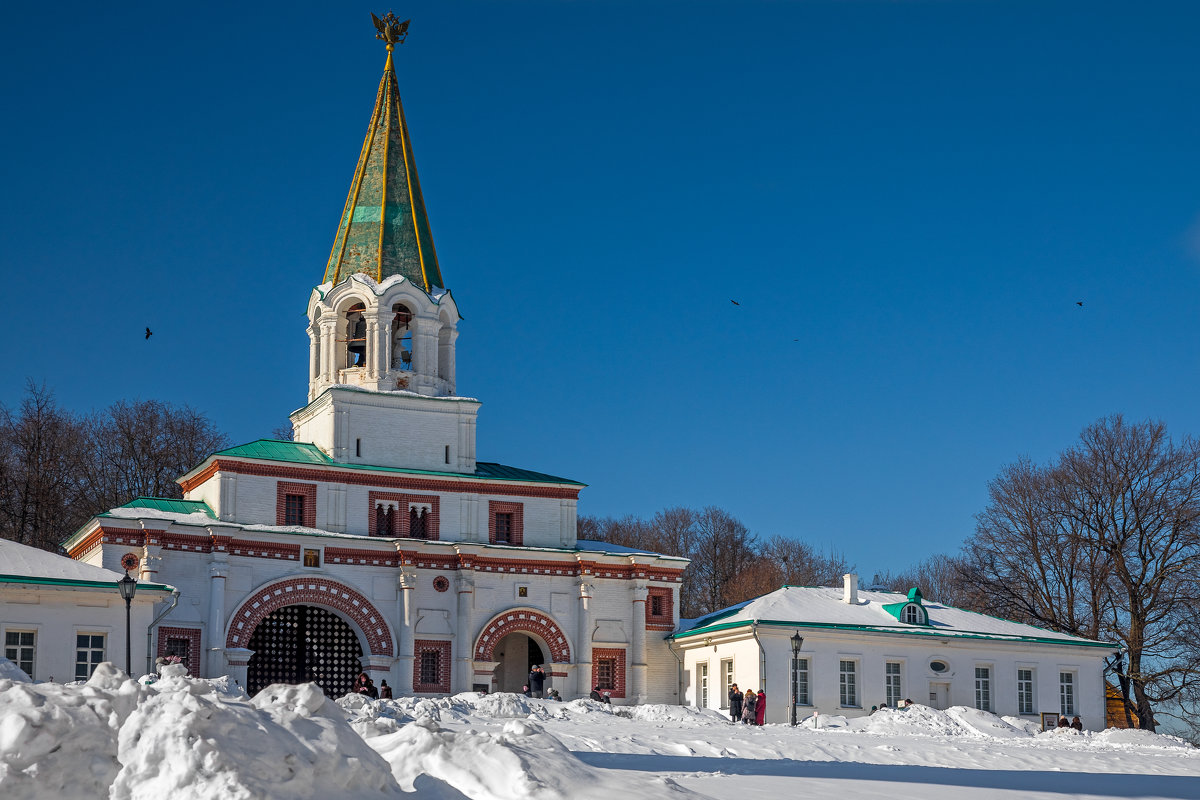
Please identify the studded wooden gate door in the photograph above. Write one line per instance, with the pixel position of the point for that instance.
(297, 644)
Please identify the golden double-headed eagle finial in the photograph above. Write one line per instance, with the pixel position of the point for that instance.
(391, 30)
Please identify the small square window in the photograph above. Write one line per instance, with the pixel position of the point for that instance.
(656, 605)
(312, 558)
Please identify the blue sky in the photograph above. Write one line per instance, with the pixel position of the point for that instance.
(906, 198)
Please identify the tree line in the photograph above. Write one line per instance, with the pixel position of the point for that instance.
(729, 564)
(58, 468)
(1102, 541)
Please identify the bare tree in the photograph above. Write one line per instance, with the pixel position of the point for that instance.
(1102, 543)
(940, 579)
(138, 448)
(41, 467)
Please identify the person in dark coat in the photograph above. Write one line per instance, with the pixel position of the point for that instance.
(598, 697)
(735, 703)
(537, 681)
(760, 708)
(1077, 723)
(385, 691)
(1063, 723)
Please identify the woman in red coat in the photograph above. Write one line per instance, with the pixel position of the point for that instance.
(760, 710)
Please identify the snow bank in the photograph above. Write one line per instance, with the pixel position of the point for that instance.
(1134, 736)
(11, 672)
(523, 761)
(61, 741)
(919, 720)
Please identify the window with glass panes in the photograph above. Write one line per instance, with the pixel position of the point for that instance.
(891, 683)
(1024, 691)
(293, 509)
(702, 676)
(503, 527)
(606, 672)
(431, 663)
(849, 683)
(802, 698)
(19, 647)
(983, 688)
(726, 681)
(89, 654)
(1066, 693)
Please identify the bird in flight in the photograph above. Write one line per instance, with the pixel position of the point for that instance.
(149, 333)
(735, 302)
(1079, 303)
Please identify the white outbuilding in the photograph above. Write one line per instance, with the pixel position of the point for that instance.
(858, 649)
(59, 618)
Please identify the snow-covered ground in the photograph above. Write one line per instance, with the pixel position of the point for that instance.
(186, 738)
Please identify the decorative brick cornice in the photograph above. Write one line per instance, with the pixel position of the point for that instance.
(373, 558)
(332, 474)
(314, 592)
(523, 620)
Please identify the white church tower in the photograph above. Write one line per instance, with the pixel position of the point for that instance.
(382, 327)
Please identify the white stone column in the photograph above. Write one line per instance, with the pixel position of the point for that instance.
(641, 589)
(314, 353)
(446, 355)
(407, 583)
(237, 659)
(218, 571)
(329, 349)
(583, 658)
(371, 346)
(462, 674)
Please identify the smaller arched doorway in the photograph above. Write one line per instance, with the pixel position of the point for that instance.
(516, 655)
(301, 643)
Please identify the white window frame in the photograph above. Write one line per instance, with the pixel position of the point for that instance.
(983, 687)
(803, 685)
(1067, 681)
(1027, 691)
(726, 681)
(848, 683)
(702, 684)
(15, 650)
(893, 690)
(90, 663)
(915, 611)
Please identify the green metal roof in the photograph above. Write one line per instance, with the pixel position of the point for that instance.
(172, 505)
(384, 229)
(81, 584)
(887, 629)
(305, 453)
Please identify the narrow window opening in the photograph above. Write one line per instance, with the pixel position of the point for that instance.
(402, 340)
(447, 454)
(503, 527)
(358, 448)
(418, 523)
(356, 336)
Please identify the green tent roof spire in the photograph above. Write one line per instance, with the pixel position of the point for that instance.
(384, 229)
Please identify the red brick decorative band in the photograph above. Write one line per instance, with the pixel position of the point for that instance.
(523, 620)
(313, 592)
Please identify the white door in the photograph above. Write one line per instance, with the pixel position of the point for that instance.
(939, 695)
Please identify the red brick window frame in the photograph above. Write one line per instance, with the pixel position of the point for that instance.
(189, 635)
(516, 518)
(431, 658)
(662, 600)
(608, 670)
(306, 490)
(400, 518)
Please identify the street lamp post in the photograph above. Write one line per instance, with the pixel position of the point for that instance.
(797, 643)
(128, 587)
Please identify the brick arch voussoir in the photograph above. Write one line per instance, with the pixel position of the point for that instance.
(310, 592)
(523, 620)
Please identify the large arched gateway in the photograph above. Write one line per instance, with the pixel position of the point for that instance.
(298, 644)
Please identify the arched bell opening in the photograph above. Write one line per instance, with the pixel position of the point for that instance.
(355, 335)
(402, 338)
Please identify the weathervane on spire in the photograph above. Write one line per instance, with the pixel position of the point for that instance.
(391, 30)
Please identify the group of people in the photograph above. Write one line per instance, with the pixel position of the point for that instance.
(905, 703)
(364, 685)
(749, 708)
(1075, 723)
